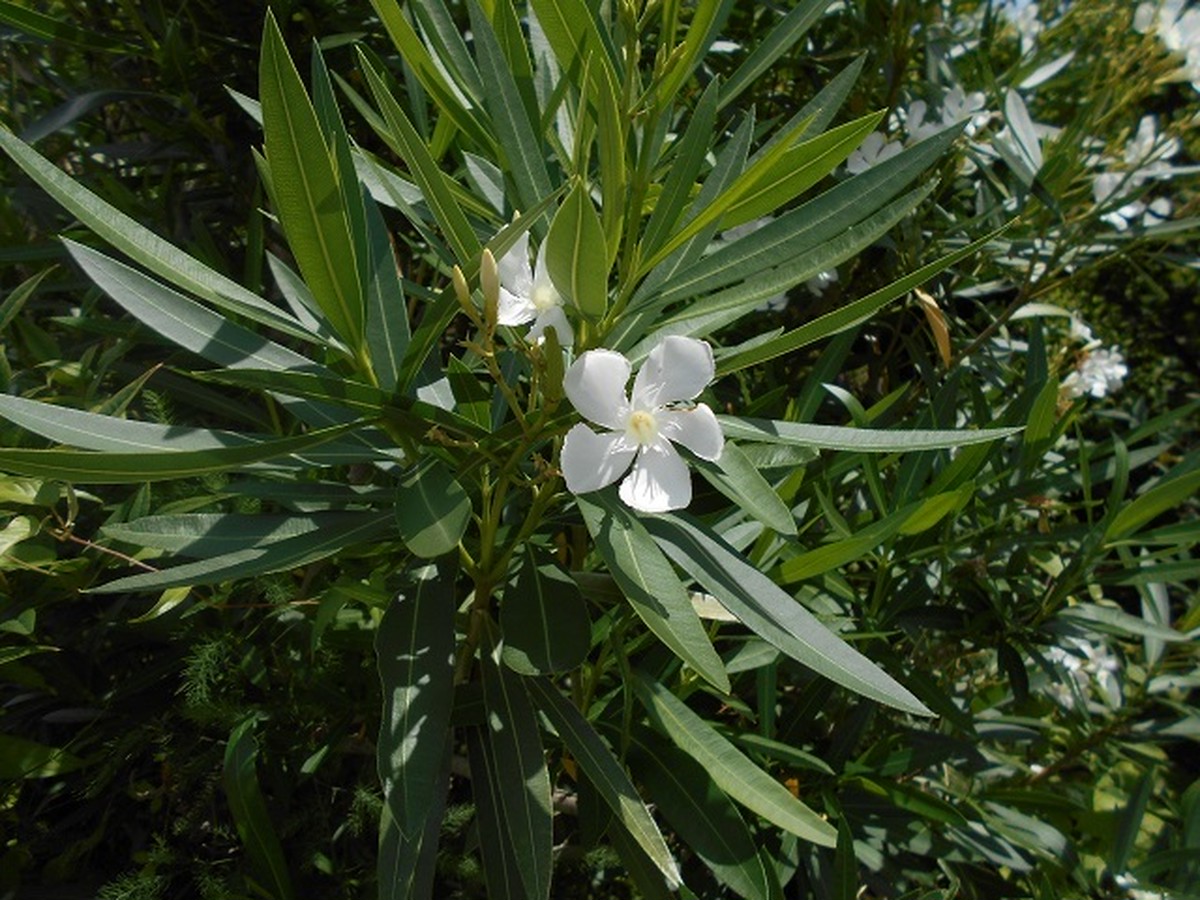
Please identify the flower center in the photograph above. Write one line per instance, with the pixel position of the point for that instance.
(642, 427)
(544, 297)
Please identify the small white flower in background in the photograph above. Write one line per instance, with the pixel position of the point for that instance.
(642, 427)
(1024, 18)
(913, 117)
(1147, 151)
(1114, 186)
(1178, 29)
(528, 295)
(958, 105)
(1087, 665)
(1079, 330)
(1129, 884)
(821, 280)
(1099, 373)
(874, 149)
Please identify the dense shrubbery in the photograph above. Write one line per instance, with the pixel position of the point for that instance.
(928, 625)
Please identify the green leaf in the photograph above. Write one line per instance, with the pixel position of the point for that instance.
(21, 758)
(650, 584)
(432, 509)
(575, 254)
(730, 769)
(845, 864)
(772, 614)
(249, 811)
(1109, 620)
(810, 225)
(428, 72)
(415, 416)
(434, 184)
(685, 167)
(1165, 495)
(56, 31)
(703, 816)
(511, 785)
(829, 556)
(778, 41)
(739, 480)
(746, 183)
(92, 431)
(519, 141)
(707, 314)
(606, 774)
(144, 246)
(1129, 823)
(213, 534)
(798, 169)
(414, 650)
(386, 314)
(273, 556)
(544, 620)
(860, 440)
(933, 509)
(849, 315)
(84, 467)
(183, 321)
(307, 191)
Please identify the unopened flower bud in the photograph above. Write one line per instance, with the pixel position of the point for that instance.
(489, 283)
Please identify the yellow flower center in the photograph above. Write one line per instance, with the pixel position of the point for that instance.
(642, 427)
(544, 297)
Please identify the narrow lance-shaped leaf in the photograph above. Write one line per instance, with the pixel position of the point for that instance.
(864, 440)
(307, 192)
(432, 509)
(610, 780)
(414, 650)
(544, 619)
(703, 816)
(250, 813)
(765, 609)
(513, 790)
(86, 467)
(276, 556)
(520, 141)
(777, 42)
(729, 768)
(650, 584)
(144, 246)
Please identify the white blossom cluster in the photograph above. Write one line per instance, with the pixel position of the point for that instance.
(1085, 667)
(1100, 371)
(918, 122)
(1116, 190)
(1178, 27)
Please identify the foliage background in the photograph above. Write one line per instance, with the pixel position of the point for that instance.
(142, 703)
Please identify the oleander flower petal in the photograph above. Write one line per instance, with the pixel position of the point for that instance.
(591, 461)
(515, 274)
(679, 368)
(660, 480)
(595, 385)
(554, 318)
(696, 428)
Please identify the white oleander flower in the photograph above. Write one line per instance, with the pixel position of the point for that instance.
(1025, 20)
(528, 295)
(874, 149)
(915, 123)
(1113, 186)
(1147, 152)
(642, 427)
(958, 105)
(1100, 373)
